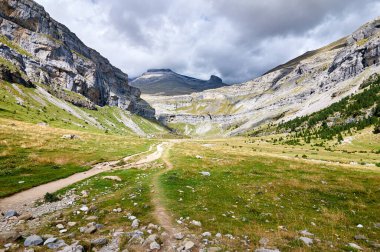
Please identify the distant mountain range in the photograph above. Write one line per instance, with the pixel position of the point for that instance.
(167, 82)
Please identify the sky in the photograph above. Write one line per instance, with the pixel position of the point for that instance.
(234, 39)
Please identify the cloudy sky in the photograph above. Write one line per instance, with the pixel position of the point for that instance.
(234, 39)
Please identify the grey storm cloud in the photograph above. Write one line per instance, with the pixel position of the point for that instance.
(237, 40)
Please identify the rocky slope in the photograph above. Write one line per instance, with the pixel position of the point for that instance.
(34, 48)
(299, 87)
(167, 82)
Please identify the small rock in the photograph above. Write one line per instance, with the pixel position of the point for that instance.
(206, 234)
(196, 223)
(10, 213)
(154, 246)
(89, 229)
(360, 237)
(58, 244)
(214, 249)
(263, 241)
(135, 223)
(84, 193)
(99, 241)
(205, 173)
(60, 226)
(75, 247)
(63, 231)
(8, 245)
(92, 218)
(9, 236)
(69, 136)
(114, 178)
(117, 210)
(99, 226)
(306, 233)
(50, 240)
(189, 245)
(198, 157)
(218, 235)
(71, 224)
(266, 250)
(359, 226)
(306, 240)
(354, 246)
(33, 240)
(178, 236)
(376, 225)
(84, 208)
(25, 216)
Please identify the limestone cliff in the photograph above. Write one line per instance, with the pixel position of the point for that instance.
(299, 87)
(47, 52)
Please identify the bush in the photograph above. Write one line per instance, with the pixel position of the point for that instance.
(378, 164)
(377, 129)
(49, 197)
(304, 156)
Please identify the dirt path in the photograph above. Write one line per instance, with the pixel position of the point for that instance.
(27, 197)
(161, 214)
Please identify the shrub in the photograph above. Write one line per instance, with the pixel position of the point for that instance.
(376, 129)
(49, 197)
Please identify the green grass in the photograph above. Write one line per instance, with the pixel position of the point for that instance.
(36, 108)
(108, 195)
(253, 195)
(37, 154)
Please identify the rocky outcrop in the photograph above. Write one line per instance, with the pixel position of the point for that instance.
(299, 87)
(167, 82)
(48, 53)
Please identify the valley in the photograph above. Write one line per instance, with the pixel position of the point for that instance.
(288, 161)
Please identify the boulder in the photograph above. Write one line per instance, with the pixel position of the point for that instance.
(25, 216)
(10, 213)
(154, 246)
(306, 240)
(9, 236)
(99, 241)
(33, 240)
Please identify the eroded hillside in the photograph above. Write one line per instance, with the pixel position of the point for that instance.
(304, 85)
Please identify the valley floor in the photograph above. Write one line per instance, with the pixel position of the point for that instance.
(186, 194)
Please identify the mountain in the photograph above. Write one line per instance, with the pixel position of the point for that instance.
(36, 49)
(167, 82)
(306, 84)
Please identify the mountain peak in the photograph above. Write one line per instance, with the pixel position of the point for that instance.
(154, 70)
(166, 82)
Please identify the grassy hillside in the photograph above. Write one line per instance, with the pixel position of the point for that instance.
(37, 105)
(32, 150)
(341, 119)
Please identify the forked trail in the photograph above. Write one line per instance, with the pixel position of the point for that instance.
(27, 197)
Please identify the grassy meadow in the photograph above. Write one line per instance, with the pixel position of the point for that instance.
(31, 154)
(255, 193)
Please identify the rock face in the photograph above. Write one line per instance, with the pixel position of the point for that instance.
(48, 53)
(167, 82)
(299, 87)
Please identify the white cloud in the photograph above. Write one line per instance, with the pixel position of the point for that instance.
(236, 40)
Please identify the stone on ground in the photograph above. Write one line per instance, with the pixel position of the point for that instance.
(33, 240)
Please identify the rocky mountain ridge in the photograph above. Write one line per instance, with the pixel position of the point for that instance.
(166, 82)
(44, 51)
(304, 85)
